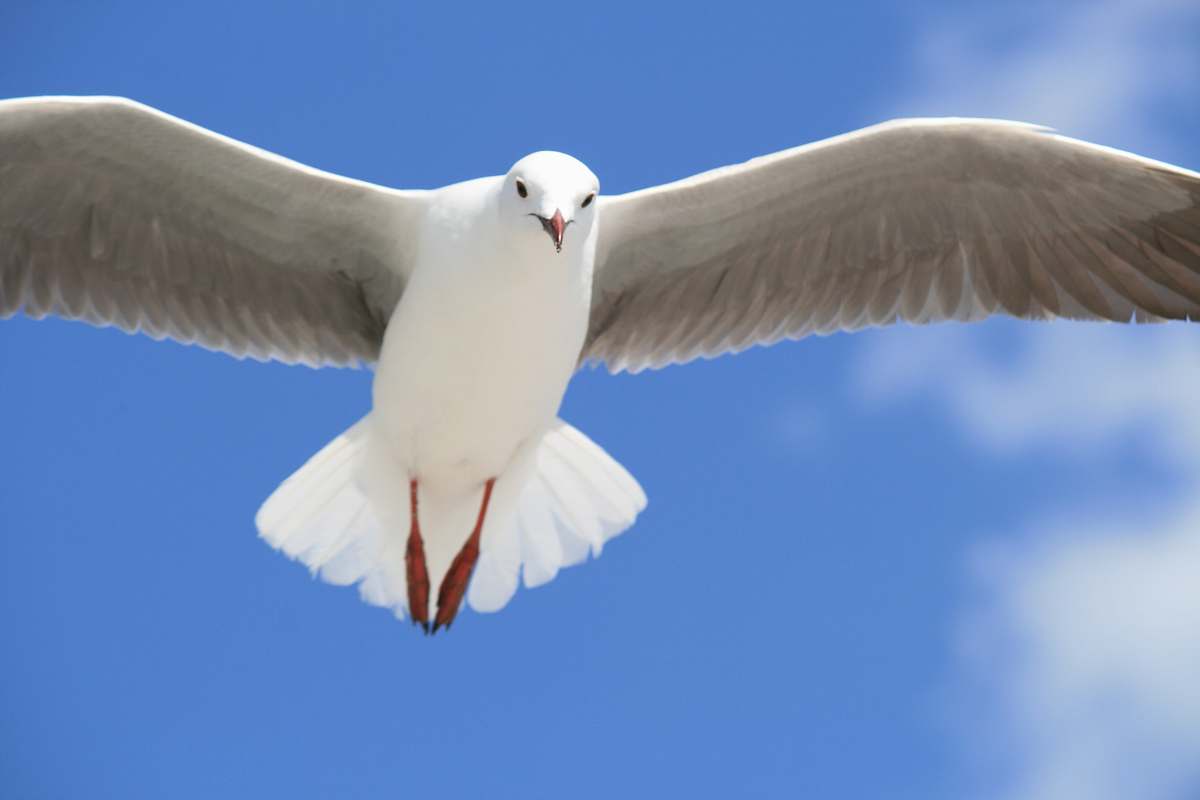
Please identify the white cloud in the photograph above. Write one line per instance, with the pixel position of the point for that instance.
(1089, 637)
(1075, 387)
(1082, 641)
(1100, 70)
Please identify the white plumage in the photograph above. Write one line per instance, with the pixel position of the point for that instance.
(576, 499)
(477, 302)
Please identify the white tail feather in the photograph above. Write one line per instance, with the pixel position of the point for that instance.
(551, 507)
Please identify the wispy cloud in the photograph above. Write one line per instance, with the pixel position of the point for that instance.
(1090, 633)
(1083, 631)
(1102, 70)
(1073, 388)
(1082, 640)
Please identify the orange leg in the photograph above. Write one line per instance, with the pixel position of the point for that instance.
(414, 564)
(454, 585)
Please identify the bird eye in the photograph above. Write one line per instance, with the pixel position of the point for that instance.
(521, 190)
(588, 200)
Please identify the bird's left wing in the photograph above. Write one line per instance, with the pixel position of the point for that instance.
(915, 220)
(118, 214)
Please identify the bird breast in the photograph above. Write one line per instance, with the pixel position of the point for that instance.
(477, 357)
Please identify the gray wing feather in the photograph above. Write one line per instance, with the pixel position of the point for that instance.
(117, 214)
(915, 220)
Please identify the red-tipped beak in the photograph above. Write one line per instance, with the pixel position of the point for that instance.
(555, 227)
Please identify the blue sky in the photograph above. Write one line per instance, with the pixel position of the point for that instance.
(965, 555)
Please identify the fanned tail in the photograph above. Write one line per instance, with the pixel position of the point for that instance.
(322, 517)
(555, 505)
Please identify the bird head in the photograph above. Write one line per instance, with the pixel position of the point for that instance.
(550, 191)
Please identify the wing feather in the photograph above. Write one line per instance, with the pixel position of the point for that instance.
(914, 220)
(116, 214)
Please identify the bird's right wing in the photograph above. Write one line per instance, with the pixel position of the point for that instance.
(916, 220)
(117, 214)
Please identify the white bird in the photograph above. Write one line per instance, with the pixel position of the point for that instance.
(478, 301)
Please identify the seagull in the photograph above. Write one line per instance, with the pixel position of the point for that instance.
(475, 303)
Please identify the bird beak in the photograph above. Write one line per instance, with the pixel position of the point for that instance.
(555, 227)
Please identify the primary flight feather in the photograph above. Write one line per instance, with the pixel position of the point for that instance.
(477, 302)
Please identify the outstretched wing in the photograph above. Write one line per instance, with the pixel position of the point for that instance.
(118, 214)
(914, 220)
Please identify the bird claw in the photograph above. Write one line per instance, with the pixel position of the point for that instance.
(454, 584)
(415, 569)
